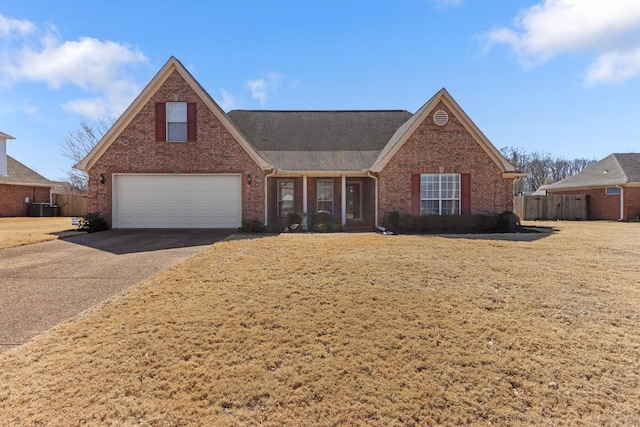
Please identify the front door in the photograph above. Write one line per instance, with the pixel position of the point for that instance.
(354, 200)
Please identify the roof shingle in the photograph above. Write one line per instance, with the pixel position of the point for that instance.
(615, 169)
(319, 140)
(19, 174)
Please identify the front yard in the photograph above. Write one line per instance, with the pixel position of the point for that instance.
(354, 329)
(25, 231)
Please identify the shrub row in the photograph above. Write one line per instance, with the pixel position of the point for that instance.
(462, 224)
(316, 222)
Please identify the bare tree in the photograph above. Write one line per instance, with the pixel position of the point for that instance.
(77, 145)
(542, 167)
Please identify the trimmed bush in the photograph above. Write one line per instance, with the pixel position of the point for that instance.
(273, 227)
(451, 224)
(391, 220)
(250, 225)
(93, 222)
(321, 222)
(294, 222)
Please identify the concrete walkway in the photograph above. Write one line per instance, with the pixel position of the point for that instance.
(47, 283)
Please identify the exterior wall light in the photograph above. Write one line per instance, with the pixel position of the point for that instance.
(249, 179)
(101, 178)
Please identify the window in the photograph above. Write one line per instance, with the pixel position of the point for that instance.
(285, 197)
(440, 194)
(613, 191)
(325, 196)
(176, 122)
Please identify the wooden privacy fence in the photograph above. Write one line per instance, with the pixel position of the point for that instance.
(72, 204)
(551, 207)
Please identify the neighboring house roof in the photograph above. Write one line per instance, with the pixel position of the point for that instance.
(615, 169)
(171, 65)
(19, 174)
(319, 140)
(5, 136)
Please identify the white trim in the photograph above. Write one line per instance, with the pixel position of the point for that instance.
(621, 203)
(440, 199)
(343, 200)
(305, 209)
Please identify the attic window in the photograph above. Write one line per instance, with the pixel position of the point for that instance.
(176, 121)
(440, 117)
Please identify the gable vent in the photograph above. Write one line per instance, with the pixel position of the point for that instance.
(440, 117)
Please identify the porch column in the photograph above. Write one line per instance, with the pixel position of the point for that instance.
(304, 202)
(344, 200)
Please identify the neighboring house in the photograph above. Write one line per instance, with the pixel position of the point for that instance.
(174, 159)
(20, 186)
(612, 186)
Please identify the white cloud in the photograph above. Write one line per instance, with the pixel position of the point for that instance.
(95, 66)
(591, 27)
(95, 108)
(228, 102)
(614, 67)
(447, 3)
(258, 90)
(8, 26)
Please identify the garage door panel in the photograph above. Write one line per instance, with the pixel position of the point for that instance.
(177, 201)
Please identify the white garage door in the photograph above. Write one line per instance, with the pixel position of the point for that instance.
(177, 201)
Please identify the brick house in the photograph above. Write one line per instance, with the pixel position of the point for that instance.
(612, 187)
(20, 186)
(174, 159)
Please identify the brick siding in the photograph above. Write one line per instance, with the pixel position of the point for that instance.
(454, 149)
(12, 198)
(135, 150)
(607, 207)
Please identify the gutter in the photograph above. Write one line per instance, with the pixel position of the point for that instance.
(378, 227)
(621, 202)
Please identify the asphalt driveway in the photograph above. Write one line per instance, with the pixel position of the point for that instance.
(47, 283)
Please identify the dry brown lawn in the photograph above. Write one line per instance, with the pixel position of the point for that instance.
(25, 231)
(354, 329)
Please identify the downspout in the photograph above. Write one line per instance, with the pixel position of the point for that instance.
(375, 179)
(621, 202)
(266, 201)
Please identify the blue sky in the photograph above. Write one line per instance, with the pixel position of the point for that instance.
(556, 76)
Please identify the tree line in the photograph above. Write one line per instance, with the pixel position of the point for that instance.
(542, 167)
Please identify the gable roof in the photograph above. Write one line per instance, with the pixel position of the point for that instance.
(615, 169)
(5, 136)
(172, 65)
(319, 140)
(407, 129)
(19, 174)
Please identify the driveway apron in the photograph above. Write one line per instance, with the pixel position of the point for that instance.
(47, 283)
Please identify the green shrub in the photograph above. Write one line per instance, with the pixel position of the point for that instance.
(451, 224)
(321, 222)
(391, 220)
(273, 227)
(93, 222)
(508, 221)
(250, 225)
(294, 222)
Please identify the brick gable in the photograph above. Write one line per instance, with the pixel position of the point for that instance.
(135, 150)
(452, 148)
